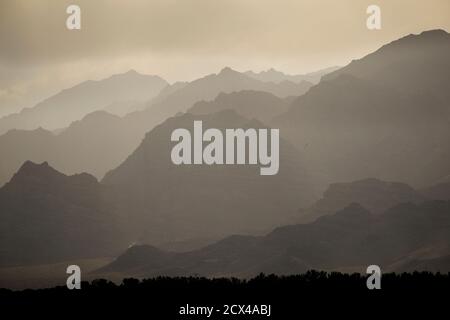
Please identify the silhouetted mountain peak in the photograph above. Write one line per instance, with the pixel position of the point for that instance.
(31, 173)
(227, 70)
(132, 73)
(435, 35)
(228, 73)
(30, 168)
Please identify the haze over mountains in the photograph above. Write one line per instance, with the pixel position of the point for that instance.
(250, 104)
(180, 99)
(348, 240)
(272, 75)
(74, 103)
(372, 137)
(49, 217)
(45, 212)
(99, 141)
(188, 201)
(385, 115)
(95, 144)
(373, 194)
(403, 230)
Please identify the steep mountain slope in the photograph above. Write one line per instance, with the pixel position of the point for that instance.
(72, 104)
(47, 217)
(415, 62)
(18, 146)
(385, 115)
(172, 203)
(351, 239)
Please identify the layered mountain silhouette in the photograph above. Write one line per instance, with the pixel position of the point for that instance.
(385, 115)
(46, 217)
(122, 108)
(409, 63)
(350, 239)
(100, 141)
(373, 194)
(96, 144)
(172, 203)
(272, 75)
(184, 95)
(156, 200)
(248, 103)
(74, 103)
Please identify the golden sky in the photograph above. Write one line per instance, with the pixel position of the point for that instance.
(185, 39)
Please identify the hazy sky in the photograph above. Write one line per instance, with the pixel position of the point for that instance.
(185, 39)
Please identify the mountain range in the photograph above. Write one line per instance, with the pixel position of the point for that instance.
(95, 144)
(385, 115)
(52, 217)
(99, 141)
(49, 217)
(272, 75)
(185, 95)
(373, 194)
(72, 104)
(349, 240)
(172, 203)
(250, 104)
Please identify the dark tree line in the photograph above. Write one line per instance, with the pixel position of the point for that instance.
(321, 292)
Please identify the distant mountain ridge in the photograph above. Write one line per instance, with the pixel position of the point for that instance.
(273, 75)
(248, 103)
(377, 114)
(384, 116)
(46, 212)
(349, 240)
(185, 95)
(373, 194)
(74, 103)
(99, 141)
(95, 144)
